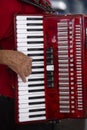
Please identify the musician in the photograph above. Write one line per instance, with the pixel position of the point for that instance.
(13, 61)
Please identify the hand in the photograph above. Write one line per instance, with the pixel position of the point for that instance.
(18, 62)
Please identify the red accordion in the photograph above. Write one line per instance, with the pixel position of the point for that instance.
(57, 86)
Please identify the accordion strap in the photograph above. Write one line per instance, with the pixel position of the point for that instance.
(42, 4)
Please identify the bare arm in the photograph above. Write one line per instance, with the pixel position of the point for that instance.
(17, 61)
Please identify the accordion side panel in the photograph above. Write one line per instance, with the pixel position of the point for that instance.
(85, 65)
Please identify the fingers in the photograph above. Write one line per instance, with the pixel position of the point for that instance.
(24, 74)
(26, 69)
(23, 77)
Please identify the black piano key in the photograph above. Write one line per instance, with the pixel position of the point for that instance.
(34, 37)
(32, 18)
(34, 29)
(37, 59)
(35, 85)
(39, 90)
(37, 67)
(35, 110)
(35, 54)
(37, 72)
(37, 79)
(34, 49)
(40, 115)
(35, 97)
(35, 103)
(34, 42)
(34, 24)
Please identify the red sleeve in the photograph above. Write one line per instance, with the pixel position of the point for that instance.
(7, 10)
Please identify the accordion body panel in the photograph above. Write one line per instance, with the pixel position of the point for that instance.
(57, 86)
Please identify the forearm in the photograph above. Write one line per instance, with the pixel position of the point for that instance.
(2, 56)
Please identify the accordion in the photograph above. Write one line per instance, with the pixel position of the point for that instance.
(57, 87)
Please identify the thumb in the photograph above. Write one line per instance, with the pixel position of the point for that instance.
(23, 77)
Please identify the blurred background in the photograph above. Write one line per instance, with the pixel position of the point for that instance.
(70, 7)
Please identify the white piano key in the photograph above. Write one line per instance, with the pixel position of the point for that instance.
(26, 105)
(25, 31)
(30, 39)
(22, 101)
(31, 46)
(29, 27)
(24, 35)
(25, 119)
(26, 92)
(36, 76)
(21, 110)
(31, 94)
(30, 52)
(25, 98)
(29, 83)
(38, 57)
(22, 17)
(39, 63)
(19, 22)
(22, 88)
(38, 70)
(25, 89)
(31, 114)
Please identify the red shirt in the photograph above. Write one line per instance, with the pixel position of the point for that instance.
(7, 11)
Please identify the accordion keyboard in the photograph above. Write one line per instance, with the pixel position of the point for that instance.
(31, 95)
